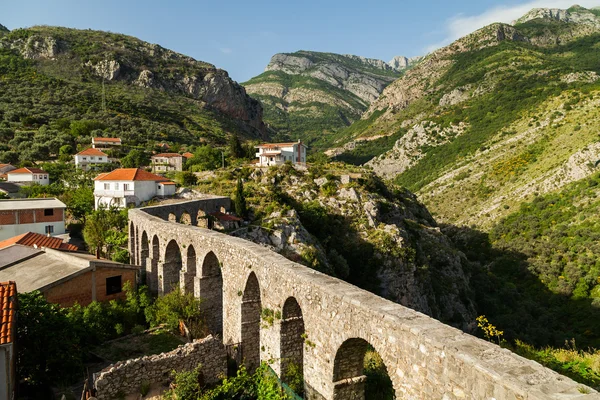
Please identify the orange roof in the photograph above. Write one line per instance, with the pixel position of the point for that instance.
(107, 139)
(130, 174)
(31, 238)
(167, 155)
(91, 152)
(187, 154)
(27, 170)
(168, 183)
(8, 309)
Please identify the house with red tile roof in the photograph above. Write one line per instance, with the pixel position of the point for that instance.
(164, 162)
(188, 155)
(43, 215)
(278, 153)
(125, 187)
(8, 335)
(4, 169)
(38, 240)
(103, 143)
(89, 157)
(28, 175)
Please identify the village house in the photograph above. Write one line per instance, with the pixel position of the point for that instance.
(8, 334)
(4, 169)
(18, 216)
(102, 143)
(28, 175)
(12, 190)
(164, 162)
(65, 278)
(125, 187)
(278, 153)
(36, 240)
(89, 157)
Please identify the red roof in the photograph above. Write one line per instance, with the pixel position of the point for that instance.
(271, 145)
(8, 309)
(224, 217)
(167, 155)
(187, 154)
(31, 238)
(91, 152)
(107, 139)
(130, 174)
(27, 170)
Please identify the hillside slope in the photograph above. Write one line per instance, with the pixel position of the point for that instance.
(493, 119)
(51, 75)
(310, 95)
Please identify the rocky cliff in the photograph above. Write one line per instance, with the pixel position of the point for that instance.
(311, 95)
(494, 119)
(85, 55)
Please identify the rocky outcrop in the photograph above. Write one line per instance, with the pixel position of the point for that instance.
(107, 69)
(400, 63)
(575, 15)
(41, 47)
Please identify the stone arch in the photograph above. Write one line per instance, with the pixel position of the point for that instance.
(171, 268)
(349, 380)
(172, 217)
(251, 309)
(145, 249)
(186, 218)
(190, 269)
(152, 269)
(210, 290)
(155, 248)
(132, 243)
(292, 344)
(137, 246)
(202, 219)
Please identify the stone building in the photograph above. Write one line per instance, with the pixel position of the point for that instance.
(165, 162)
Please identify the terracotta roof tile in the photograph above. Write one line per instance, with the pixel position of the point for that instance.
(130, 174)
(167, 155)
(8, 309)
(187, 154)
(31, 238)
(107, 139)
(27, 170)
(91, 152)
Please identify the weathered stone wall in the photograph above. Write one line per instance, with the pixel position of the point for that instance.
(425, 359)
(128, 376)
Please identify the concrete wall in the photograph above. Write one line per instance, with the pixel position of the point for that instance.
(128, 376)
(425, 359)
(41, 179)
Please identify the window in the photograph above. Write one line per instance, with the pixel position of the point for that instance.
(84, 158)
(126, 186)
(107, 186)
(116, 186)
(49, 229)
(113, 285)
(34, 176)
(45, 176)
(48, 212)
(91, 158)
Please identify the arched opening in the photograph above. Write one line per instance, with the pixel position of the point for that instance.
(145, 253)
(155, 248)
(360, 374)
(211, 293)
(190, 269)
(171, 267)
(292, 346)
(201, 219)
(172, 217)
(132, 247)
(152, 272)
(251, 308)
(137, 246)
(185, 219)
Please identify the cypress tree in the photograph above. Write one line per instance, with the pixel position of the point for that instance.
(240, 201)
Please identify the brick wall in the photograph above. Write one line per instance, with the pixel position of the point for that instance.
(7, 218)
(30, 216)
(103, 273)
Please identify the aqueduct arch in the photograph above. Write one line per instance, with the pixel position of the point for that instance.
(424, 358)
(170, 270)
(291, 341)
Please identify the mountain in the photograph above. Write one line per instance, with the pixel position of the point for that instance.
(310, 95)
(142, 92)
(492, 120)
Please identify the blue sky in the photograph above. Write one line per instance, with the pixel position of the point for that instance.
(241, 36)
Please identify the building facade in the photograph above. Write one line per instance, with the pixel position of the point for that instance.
(89, 157)
(278, 153)
(103, 143)
(164, 162)
(4, 169)
(18, 216)
(126, 187)
(28, 175)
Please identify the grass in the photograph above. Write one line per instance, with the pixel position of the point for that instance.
(134, 346)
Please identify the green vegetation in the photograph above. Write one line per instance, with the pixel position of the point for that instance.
(105, 233)
(366, 150)
(176, 307)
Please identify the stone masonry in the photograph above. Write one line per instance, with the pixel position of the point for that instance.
(127, 377)
(326, 324)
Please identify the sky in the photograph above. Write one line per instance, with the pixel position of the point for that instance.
(241, 36)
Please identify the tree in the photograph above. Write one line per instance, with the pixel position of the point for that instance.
(135, 159)
(65, 152)
(187, 178)
(205, 158)
(80, 202)
(240, 200)
(235, 147)
(105, 227)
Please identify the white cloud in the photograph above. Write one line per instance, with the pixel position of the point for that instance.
(462, 24)
(225, 50)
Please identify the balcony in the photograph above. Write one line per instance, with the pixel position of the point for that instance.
(113, 193)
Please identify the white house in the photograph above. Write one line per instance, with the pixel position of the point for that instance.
(129, 186)
(18, 216)
(104, 143)
(90, 156)
(279, 153)
(27, 174)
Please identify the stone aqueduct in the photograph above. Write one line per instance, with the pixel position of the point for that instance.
(322, 324)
